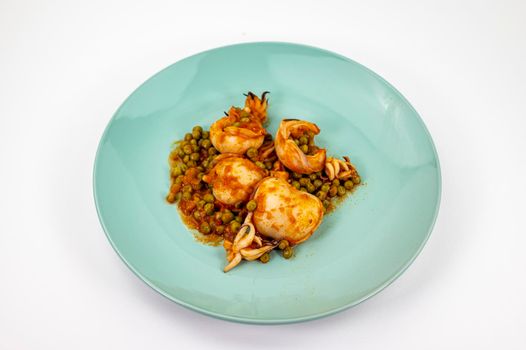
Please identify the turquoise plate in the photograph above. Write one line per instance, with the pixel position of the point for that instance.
(357, 251)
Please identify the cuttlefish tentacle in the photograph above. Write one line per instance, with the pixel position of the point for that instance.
(239, 249)
(244, 237)
(339, 169)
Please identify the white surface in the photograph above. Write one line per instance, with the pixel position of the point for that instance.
(64, 70)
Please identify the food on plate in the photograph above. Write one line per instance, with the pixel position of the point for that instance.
(295, 146)
(285, 213)
(235, 184)
(241, 128)
(233, 178)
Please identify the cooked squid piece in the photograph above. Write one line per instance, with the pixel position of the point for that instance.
(340, 169)
(256, 106)
(228, 137)
(289, 152)
(284, 212)
(243, 245)
(233, 179)
(241, 129)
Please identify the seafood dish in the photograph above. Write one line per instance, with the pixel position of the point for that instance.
(238, 185)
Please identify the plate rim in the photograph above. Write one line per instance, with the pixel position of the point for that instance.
(270, 321)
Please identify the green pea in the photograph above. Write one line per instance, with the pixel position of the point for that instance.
(251, 205)
(296, 184)
(180, 152)
(187, 137)
(191, 163)
(209, 198)
(220, 229)
(326, 187)
(252, 152)
(197, 128)
(236, 124)
(313, 177)
(234, 226)
(239, 219)
(283, 244)
(304, 148)
(209, 208)
(195, 148)
(194, 156)
(200, 204)
(227, 217)
(197, 214)
(317, 183)
(193, 142)
(297, 142)
(321, 195)
(244, 120)
(187, 188)
(288, 252)
(356, 180)
(205, 134)
(333, 191)
(303, 189)
(206, 144)
(176, 171)
(212, 151)
(170, 198)
(205, 228)
(296, 175)
(186, 158)
(326, 203)
(196, 134)
(183, 167)
(178, 179)
(260, 164)
(265, 258)
(304, 140)
(341, 191)
(336, 182)
(186, 195)
(348, 185)
(311, 188)
(304, 181)
(187, 149)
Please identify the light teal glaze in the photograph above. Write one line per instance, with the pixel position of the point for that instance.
(356, 252)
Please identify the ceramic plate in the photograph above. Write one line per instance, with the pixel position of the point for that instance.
(357, 251)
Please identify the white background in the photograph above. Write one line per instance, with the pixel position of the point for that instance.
(65, 67)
